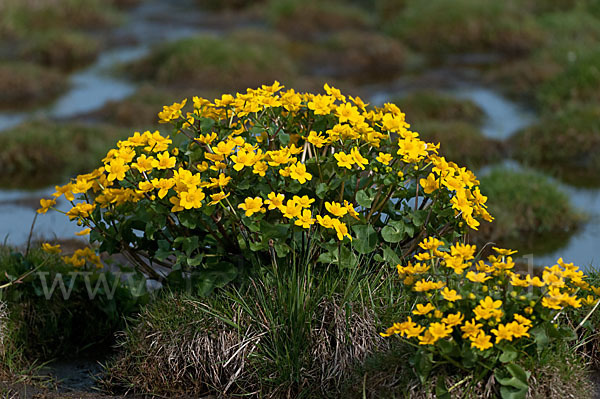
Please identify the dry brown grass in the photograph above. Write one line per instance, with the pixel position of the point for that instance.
(201, 354)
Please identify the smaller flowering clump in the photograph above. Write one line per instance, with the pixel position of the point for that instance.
(481, 307)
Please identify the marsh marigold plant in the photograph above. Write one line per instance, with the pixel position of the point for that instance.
(483, 317)
(245, 179)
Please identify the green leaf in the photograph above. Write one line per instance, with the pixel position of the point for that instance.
(509, 353)
(214, 277)
(366, 238)
(441, 392)
(393, 232)
(511, 393)
(541, 337)
(390, 256)
(363, 199)
(518, 377)
(321, 190)
(423, 362)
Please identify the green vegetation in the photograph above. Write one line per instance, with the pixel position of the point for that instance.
(439, 27)
(49, 152)
(60, 49)
(230, 63)
(526, 205)
(28, 84)
(561, 372)
(139, 111)
(579, 84)
(21, 18)
(565, 143)
(426, 105)
(461, 142)
(309, 20)
(356, 55)
(290, 331)
(41, 323)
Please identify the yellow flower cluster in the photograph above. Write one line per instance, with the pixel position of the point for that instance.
(277, 155)
(460, 298)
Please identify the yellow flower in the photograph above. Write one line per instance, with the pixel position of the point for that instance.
(502, 332)
(424, 285)
(260, 168)
(471, 328)
(83, 232)
(217, 197)
(481, 341)
(191, 198)
(423, 309)
(46, 204)
(252, 206)
(163, 186)
(450, 295)
(344, 160)
(503, 252)
(274, 200)
(144, 163)
(477, 277)
(303, 201)
(165, 161)
(298, 172)
(518, 330)
(358, 159)
(321, 105)
(291, 209)
(428, 338)
(341, 229)
(306, 220)
(81, 210)
(242, 159)
(430, 184)
(316, 139)
(439, 330)
(336, 209)
(51, 249)
(325, 221)
(384, 158)
(116, 169)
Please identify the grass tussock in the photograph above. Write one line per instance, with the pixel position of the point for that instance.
(50, 152)
(566, 143)
(228, 64)
(61, 49)
(461, 142)
(427, 105)
(310, 20)
(22, 18)
(286, 334)
(23, 84)
(527, 207)
(359, 56)
(440, 27)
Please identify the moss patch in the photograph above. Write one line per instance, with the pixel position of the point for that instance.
(579, 83)
(310, 19)
(21, 18)
(61, 49)
(566, 143)
(460, 142)
(356, 55)
(426, 105)
(527, 206)
(28, 84)
(442, 27)
(209, 62)
(50, 152)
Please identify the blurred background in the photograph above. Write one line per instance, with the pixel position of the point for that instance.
(510, 88)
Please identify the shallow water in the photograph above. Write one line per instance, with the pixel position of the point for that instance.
(503, 118)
